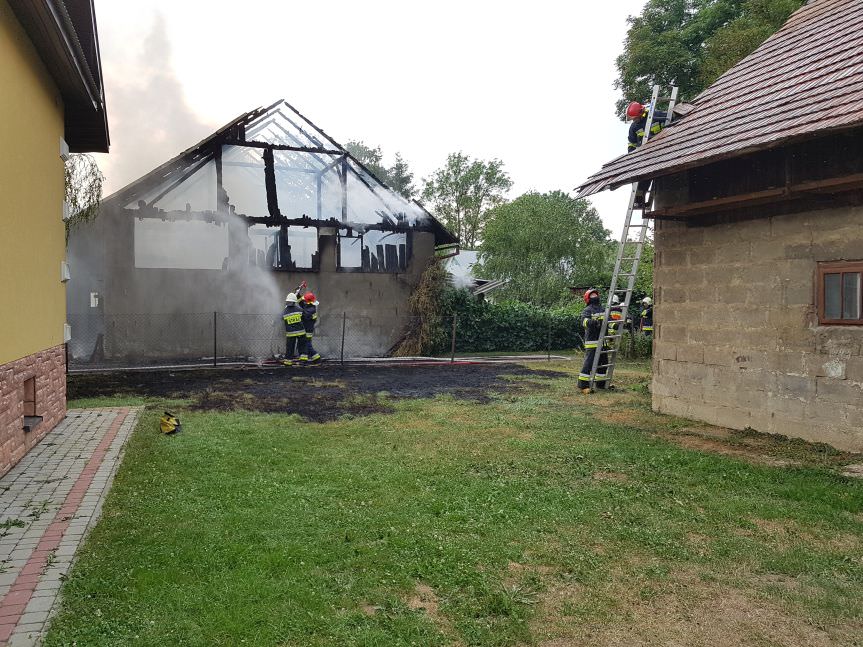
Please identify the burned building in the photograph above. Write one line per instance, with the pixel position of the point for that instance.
(758, 205)
(217, 236)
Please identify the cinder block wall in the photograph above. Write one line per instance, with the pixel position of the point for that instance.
(737, 339)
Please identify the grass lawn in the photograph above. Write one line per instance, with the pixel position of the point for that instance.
(540, 517)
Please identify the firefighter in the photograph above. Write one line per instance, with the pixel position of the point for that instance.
(310, 318)
(647, 316)
(591, 321)
(295, 331)
(638, 114)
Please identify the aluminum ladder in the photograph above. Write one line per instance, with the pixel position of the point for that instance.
(628, 255)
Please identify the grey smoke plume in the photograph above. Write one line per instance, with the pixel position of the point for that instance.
(149, 118)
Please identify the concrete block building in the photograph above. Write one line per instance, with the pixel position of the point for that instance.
(758, 210)
(52, 102)
(206, 246)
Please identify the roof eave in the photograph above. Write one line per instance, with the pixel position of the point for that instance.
(50, 29)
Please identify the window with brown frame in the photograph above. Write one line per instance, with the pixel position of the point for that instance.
(840, 293)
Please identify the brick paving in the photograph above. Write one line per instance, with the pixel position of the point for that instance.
(48, 503)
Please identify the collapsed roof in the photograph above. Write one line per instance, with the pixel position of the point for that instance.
(804, 81)
(273, 166)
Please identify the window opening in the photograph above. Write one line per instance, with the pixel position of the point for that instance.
(373, 251)
(285, 248)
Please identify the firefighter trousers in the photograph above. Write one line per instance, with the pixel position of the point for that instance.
(587, 367)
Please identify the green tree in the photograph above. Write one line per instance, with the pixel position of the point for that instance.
(83, 189)
(398, 176)
(401, 178)
(462, 192)
(690, 43)
(543, 242)
(371, 158)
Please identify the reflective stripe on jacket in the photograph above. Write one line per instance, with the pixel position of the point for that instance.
(293, 318)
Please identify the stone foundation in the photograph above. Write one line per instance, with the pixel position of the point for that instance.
(737, 340)
(48, 367)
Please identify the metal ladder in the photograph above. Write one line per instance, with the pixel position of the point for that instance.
(626, 266)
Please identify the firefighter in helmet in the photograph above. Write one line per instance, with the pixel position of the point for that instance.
(638, 113)
(591, 322)
(647, 316)
(310, 318)
(295, 331)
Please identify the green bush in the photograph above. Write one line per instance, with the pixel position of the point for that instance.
(511, 326)
(484, 327)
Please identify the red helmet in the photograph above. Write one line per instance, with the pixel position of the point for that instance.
(634, 110)
(588, 293)
(309, 297)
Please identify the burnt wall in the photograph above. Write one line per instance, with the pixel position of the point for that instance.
(168, 312)
(738, 342)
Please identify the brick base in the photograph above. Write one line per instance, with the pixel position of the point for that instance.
(49, 369)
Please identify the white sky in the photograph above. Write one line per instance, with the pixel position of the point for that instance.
(529, 83)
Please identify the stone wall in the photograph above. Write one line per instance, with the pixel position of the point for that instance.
(49, 369)
(737, 339)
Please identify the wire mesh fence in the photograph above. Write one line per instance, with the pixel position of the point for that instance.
(102, 341)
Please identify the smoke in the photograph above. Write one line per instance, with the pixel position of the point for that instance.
(148, 117)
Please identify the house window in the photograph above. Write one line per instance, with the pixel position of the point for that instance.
(840, 293)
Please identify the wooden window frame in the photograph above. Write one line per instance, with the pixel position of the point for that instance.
(838, 267)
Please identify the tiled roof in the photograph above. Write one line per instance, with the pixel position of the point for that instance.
(804, 80)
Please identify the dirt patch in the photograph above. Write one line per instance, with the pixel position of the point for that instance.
(854, 471)
(319, 393)
(685, 612)
(718, 447)
(425, 599)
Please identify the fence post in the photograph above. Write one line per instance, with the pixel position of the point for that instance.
(344, 324)
(215, 341)
(452, 349)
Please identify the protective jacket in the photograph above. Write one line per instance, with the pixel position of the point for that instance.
(591, 321)
(636, 129)
(293, 318)
(647, 319)
(310, 318)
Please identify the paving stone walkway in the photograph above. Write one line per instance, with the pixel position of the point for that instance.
(48, 503)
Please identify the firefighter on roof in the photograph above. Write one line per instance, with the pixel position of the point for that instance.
(638, 112)
(591, 321)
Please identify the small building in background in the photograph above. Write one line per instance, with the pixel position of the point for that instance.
(52, 103)
(758, 205)
(192, 261)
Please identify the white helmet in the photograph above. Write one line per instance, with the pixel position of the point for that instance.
(615, 300)
(291, 298)
(647, 301)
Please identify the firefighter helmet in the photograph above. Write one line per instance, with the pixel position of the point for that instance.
(647, 301)
(634, 110)
(588, 293)
(291, 298)
(615, 300)
(309, 297)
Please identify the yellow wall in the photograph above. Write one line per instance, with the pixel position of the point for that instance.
(32, 244)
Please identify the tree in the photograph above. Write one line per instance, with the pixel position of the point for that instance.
(83, 189)
(401, 178)
(371, 158)
(690, 43)
(463, 191)
(543, 242)
(398, 176)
